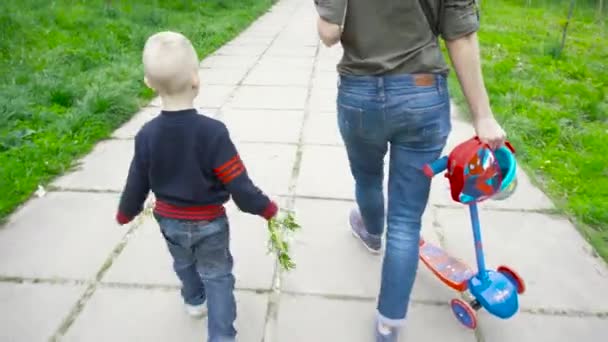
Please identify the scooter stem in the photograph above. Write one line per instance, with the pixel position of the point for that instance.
(481, 264)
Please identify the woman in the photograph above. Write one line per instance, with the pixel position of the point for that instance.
(393, 93)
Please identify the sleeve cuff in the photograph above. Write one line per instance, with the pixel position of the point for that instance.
(460, 21)
(331, 11)
(270, 211)
(122, 218)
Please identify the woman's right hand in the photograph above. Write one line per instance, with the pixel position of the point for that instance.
(328, 32)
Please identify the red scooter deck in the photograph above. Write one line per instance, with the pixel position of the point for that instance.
(453, 272)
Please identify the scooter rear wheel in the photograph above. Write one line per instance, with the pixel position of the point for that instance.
(464, 313)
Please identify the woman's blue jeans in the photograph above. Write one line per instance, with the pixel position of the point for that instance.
(411, 115)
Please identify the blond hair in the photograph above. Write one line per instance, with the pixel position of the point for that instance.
(170, 63)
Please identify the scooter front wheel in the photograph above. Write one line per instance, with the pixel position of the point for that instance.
(515, 278)
(464, 313)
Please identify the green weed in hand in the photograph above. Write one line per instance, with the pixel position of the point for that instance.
(277, 242)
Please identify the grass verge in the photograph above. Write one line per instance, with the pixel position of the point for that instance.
(553, 106)
(70, 73)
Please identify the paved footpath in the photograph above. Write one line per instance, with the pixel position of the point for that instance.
(69, 273)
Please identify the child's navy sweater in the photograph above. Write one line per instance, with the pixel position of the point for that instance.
(191, 165)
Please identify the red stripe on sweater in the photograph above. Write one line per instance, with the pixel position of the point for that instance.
(235, 174)
(194, 213)
(227, 164)
(199, 208)
(229, 170)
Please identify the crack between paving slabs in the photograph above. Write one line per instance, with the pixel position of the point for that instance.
(546, 211)
(270, 328)
(358, 298)
(49, 281)
(167, 287)
(90, 290)
(53, 188)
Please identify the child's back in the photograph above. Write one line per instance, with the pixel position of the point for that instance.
(190, 163)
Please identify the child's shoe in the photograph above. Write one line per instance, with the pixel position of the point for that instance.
(373, 243)
(196, 311)
(385, 333)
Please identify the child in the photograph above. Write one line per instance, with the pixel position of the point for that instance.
(191, 165)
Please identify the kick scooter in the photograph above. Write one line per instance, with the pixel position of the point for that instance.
(476, 173)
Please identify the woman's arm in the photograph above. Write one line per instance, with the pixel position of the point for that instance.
(459, 24)
(465, 56)
(331, 20)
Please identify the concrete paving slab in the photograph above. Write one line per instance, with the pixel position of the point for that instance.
(358, 270)
(259, 32)
(329, 58)
(322, 129)
(130, 128)
(325, 248)
(527, 327)
(106, 168)
(146, 260)
(324, 172)
(210, 96)
(255, 97)
(213, 96)
(269, 165)
(327, 65)
(276, 126)
(288, 39)
(304, 34)
(547, 251)
(254, 267)
(323, 100)
(226, 62)
(278, 76)
(333, 53)
(32, 312)
(303, 318)
(117, 314)
(325, 80)
(240, 50)
(292, 63)
(224, 76)
(62, 235)
(291, 51)
(248, 40)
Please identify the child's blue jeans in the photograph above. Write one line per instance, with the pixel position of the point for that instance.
(411, 114)
(203, 263)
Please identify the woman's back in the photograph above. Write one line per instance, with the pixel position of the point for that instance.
(389, 37)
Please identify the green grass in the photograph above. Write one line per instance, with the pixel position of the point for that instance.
(70, 73)
(554, 108)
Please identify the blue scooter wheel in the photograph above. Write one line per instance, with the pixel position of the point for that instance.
(464, 313)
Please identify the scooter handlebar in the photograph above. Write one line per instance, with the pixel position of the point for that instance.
(435, 167)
